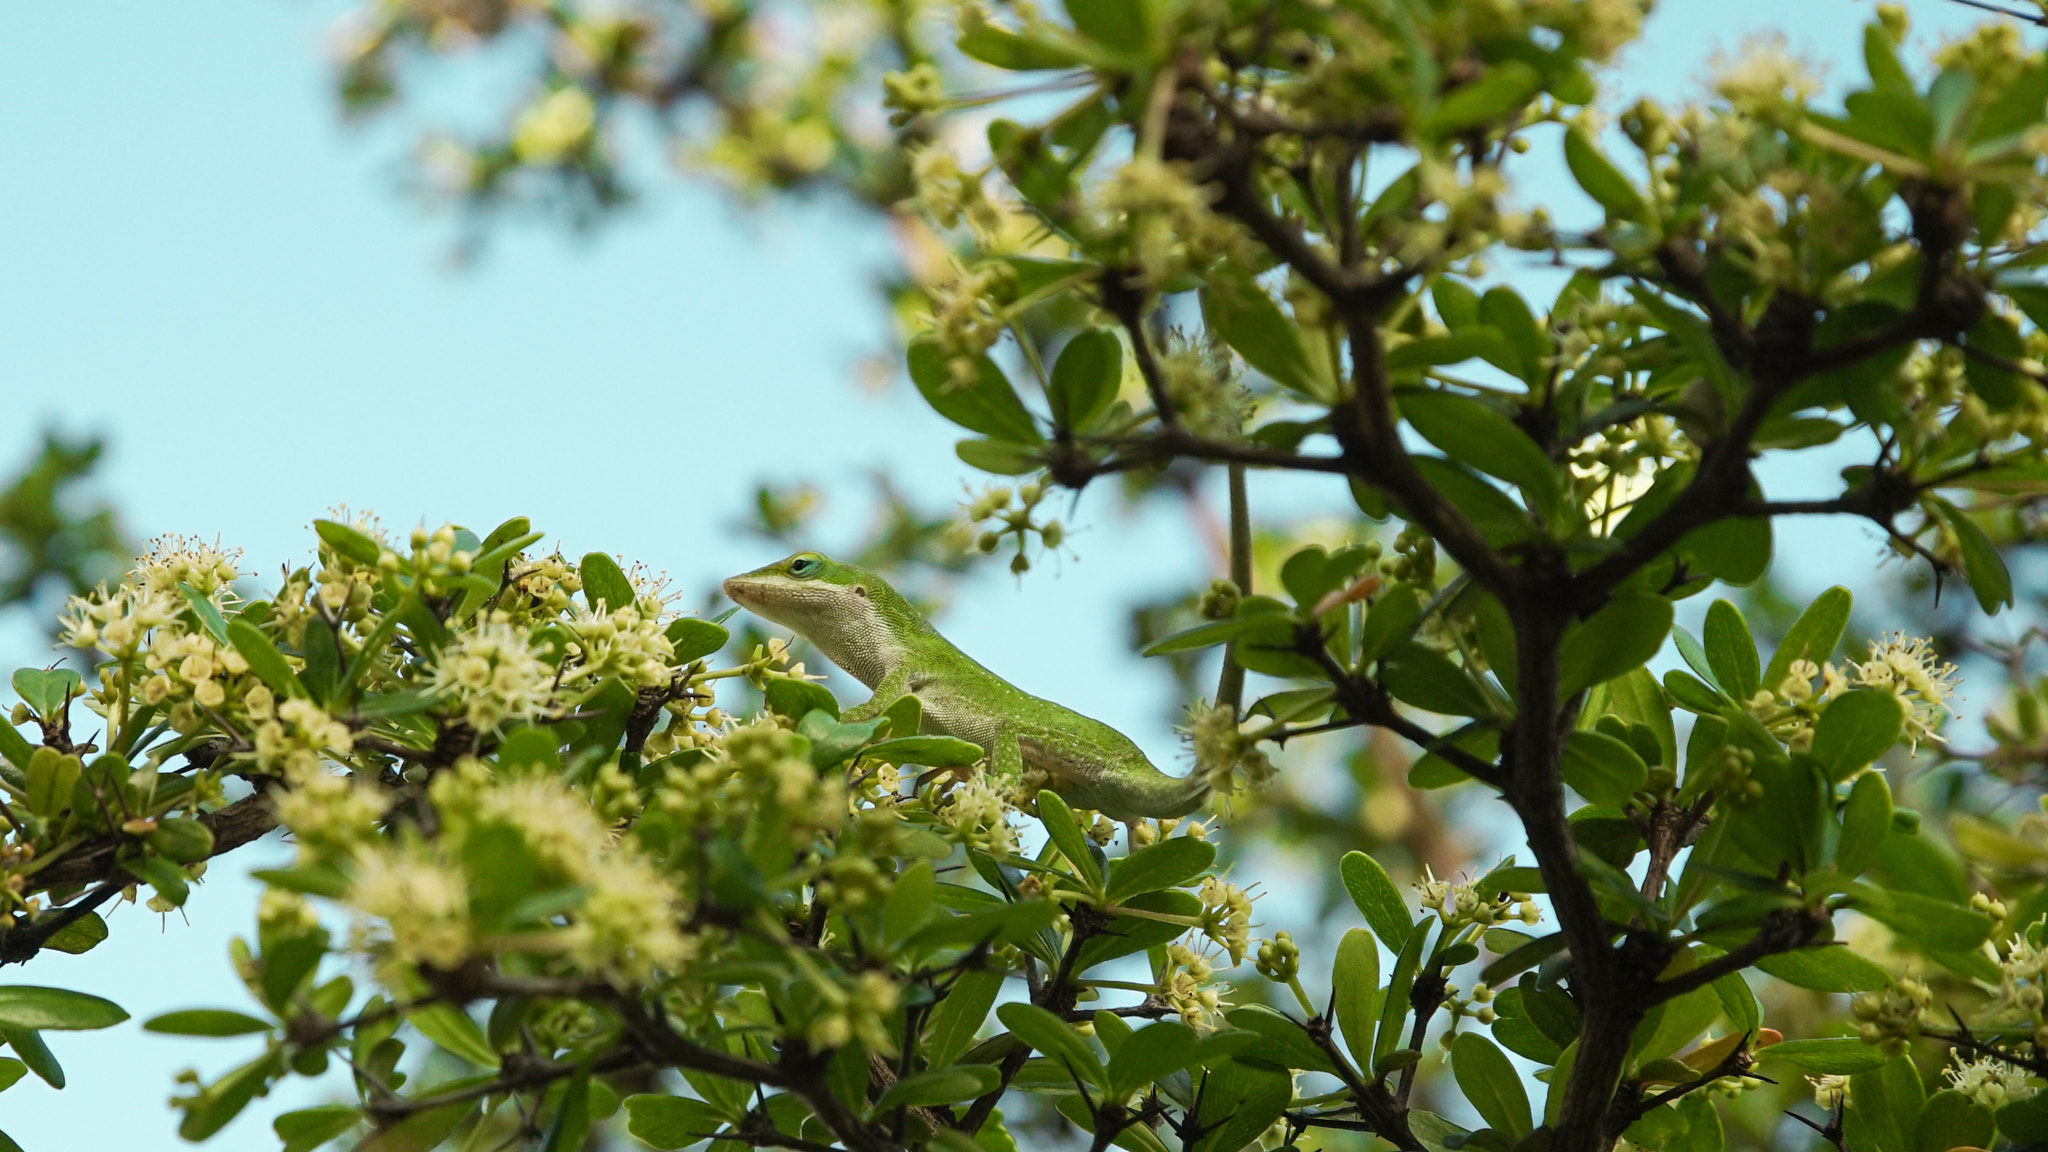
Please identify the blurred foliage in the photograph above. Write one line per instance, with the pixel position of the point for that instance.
(49, 535)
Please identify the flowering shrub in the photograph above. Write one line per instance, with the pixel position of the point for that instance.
(1220, 233)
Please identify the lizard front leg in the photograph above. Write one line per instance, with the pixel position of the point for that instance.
(886, 693)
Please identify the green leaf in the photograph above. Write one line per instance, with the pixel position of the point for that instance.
(1055, 1038)
(322, 673)
(938, 1086)
(1391, 619)
(1241, 312)
(309, 1128)
(1491, 1084)
(1378, 900)
(605, 587)
(1923, 921)
(14, 748)
(28, 1007)
(1952, 1120)
(1166, 864)
(1788, 822)
(11, 1071)
(694, 639)
(1273, 629)
(671, 1121)
(1693, 693)
(1884, 1106)
(1856, 728)
(1492, 512)
(1085, 381)
(1731, 651)
(45, 690)
(832, 742)
(264, 659)
(1517, 1033)
(1604, 770)
(312, 879)
(28, 1044)
(1625, 633)
(1419, 675)
(1355, 987)
(80, 936)
(1128, 934)
(986, 403)
(1480, 436)
(1282, 1040)
(929, 751)
(206, 1022)
(224, 1099)
(2024, 1121)
(1394, 1006)
(1825, 1057)
(1065, 833)
(1604, 182)
(999, 457)
(1812, 637)
(960, 1015)
(204, 611)
(788, 696)
(1475, 341)
(908, 904)
(1989, 579)
(452, 1029)
(1118, 25)
(1638, 699)
(1150, 1054)
(1881, 59)
(1505, 87)
(1504, 309)
(349, 542)
(1695, 655)
(1866, 821)
(1239, 1100)
(992, 44)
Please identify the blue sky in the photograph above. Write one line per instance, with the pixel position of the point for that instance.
(203, 265)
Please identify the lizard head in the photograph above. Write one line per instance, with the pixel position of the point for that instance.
(823, 599)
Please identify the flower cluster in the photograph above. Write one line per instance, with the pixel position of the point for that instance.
(1906, 667)
(415, 896)
(977, 812)
(1890, 1017)
(1989, 1081)
(1224, 752)
(1187, 985)
(1164, 224)
(1462, 906)
(1226, 916)
(492, 674)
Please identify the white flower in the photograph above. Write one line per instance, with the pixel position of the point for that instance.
(1910, 669)
(1989, 1081)
(421, 900)
(494, 673)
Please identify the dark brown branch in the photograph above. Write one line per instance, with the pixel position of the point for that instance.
(241, 822)
(20, 944)
(1786, 930)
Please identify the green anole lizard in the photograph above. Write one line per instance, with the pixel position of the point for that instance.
(868, 629)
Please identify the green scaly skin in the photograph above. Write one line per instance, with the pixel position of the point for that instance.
(867, 628)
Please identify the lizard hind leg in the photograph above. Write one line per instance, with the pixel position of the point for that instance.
(1004, 762)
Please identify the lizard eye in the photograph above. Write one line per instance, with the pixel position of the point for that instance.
(803, 566)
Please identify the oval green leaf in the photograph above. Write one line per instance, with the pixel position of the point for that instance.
(26, 1006)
